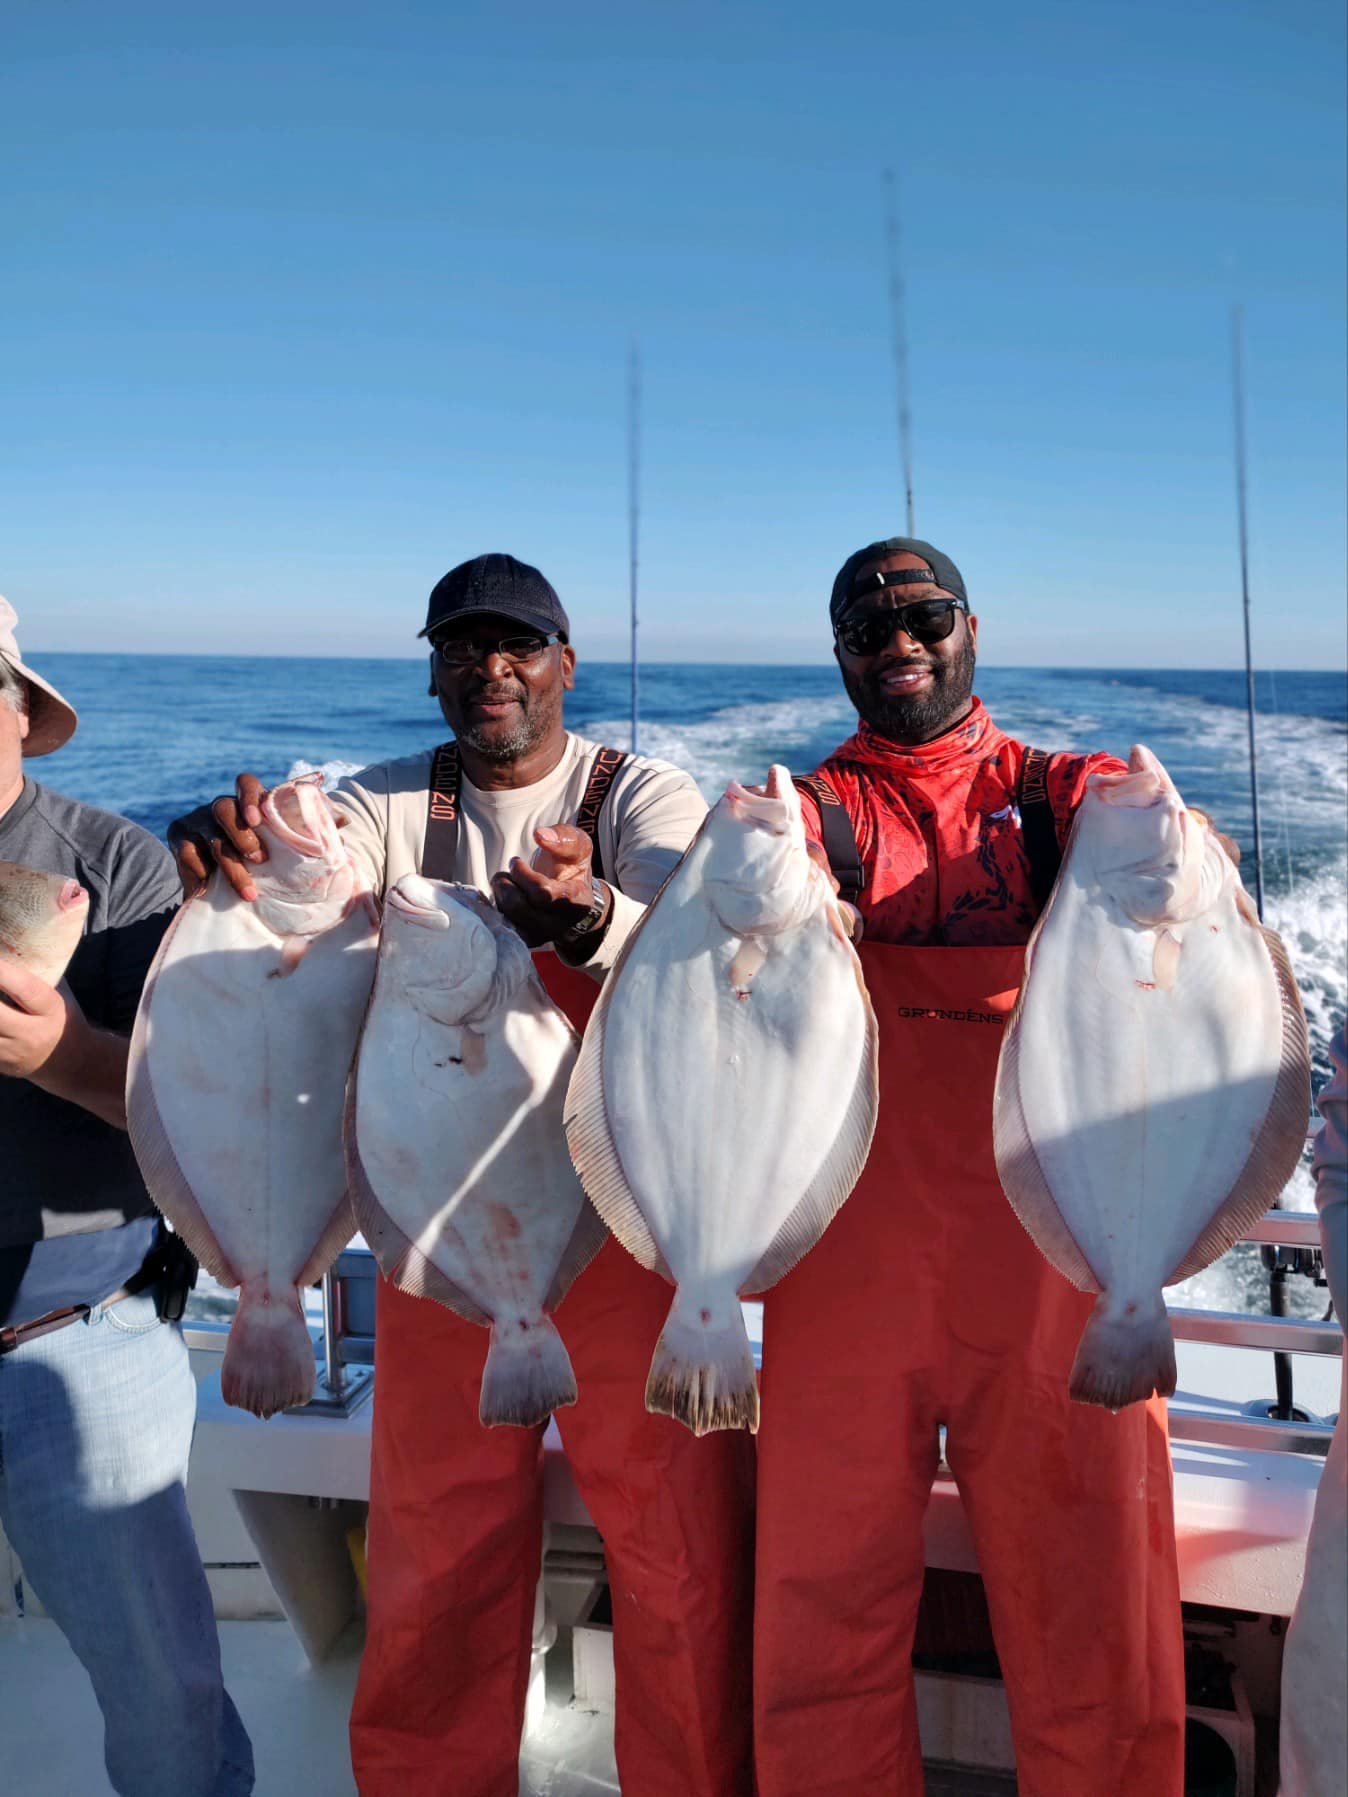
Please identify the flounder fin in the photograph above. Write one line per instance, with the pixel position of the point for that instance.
(527, 1376)
(337, 1232)
(832, 1184)
(1282, 1135)
(587, 1238)
(594, 1153)
(1018, 1169)
(419, 1277)
(1122, 1359)
(400, 1262)
(269, 1358)
(164, 1179)
(702, 1372)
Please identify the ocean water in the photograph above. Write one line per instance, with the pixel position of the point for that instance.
(158, 734)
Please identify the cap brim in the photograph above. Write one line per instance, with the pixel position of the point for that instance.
(51, 719)
(530, 620)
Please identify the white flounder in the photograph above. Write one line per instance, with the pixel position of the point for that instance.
(457, 1157)
(725, 1098)
(238, 1067)
(1153, 1090)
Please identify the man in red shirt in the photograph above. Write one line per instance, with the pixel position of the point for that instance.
(926, 1304)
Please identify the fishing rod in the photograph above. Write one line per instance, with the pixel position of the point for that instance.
(1238, 406)
(900, 336)
(634, 516)
(1277, 1268)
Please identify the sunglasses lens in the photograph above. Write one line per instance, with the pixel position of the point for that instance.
(929, 621)
(867, 636)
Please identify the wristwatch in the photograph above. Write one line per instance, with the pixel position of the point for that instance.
(586, 931)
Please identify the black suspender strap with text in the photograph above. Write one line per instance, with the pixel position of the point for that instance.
(442, 816)
(608, 764)
(1037, 826)
(840, 842)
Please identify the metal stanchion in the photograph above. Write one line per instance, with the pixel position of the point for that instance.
(339, 1388)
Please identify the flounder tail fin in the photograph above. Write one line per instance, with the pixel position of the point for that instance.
(1123, 1356)
(269, 1359)
(702, 1371)
(528, 1373)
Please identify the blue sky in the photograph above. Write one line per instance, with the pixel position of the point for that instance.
(303, 304)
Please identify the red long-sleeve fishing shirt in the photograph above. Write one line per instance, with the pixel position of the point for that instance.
(938, 829)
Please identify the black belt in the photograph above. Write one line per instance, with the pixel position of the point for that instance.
(14, 1335)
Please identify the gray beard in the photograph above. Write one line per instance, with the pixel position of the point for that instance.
(500, 748)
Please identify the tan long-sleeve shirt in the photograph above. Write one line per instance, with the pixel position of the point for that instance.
(652, 813)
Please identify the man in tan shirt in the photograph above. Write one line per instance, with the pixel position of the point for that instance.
(573, 840)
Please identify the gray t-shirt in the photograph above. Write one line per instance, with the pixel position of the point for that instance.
(65, 1171)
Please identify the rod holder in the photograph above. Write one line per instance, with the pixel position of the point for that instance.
(338, 1388)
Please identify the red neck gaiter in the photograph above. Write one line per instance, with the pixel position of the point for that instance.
(938, 828)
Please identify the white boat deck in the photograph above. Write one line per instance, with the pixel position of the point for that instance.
(295, 1714)
(1242, 1517)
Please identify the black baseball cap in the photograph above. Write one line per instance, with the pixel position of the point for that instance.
(847, 590)
(497, 583)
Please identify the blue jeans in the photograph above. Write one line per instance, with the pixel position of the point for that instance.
(95, 1429)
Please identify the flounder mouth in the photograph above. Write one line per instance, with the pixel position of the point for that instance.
(1138, 792)
(1145, 784)
(292, 820)
(772, 806)
(756, 809)
(428, 916)
(71, 897)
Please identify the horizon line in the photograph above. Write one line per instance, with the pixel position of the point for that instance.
(1046, 667)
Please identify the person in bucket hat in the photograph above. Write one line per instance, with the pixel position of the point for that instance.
(97, 1399)
(51, 719)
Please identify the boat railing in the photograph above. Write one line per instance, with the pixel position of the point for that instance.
(1223, 1424)
(1256, 1425)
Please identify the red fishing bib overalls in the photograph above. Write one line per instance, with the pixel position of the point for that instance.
(455, 1539)
(924, 1304)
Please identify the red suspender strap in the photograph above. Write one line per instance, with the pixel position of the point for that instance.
(442, 816)
(840, 841)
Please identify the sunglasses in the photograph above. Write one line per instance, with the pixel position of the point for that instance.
(925, 620)
(463, 652)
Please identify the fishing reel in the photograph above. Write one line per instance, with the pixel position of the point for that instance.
(1280, 1262)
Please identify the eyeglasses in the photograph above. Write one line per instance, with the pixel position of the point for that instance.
(925, 620)
(463, 652)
